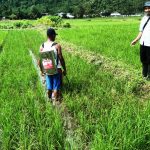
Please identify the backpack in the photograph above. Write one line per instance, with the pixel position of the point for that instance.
(49, 61)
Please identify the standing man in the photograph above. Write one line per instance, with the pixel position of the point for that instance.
(144, 37)
(50, 63)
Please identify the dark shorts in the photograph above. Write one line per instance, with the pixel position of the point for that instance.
(145, 54)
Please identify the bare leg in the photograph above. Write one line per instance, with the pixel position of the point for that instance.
(55, 94)
(49, 93)
(55, 97)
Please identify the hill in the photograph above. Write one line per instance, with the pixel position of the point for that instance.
(24, 9)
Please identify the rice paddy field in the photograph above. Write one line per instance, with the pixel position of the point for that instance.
(111, 37)
(108, 111)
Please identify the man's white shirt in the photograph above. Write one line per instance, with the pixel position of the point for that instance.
(145, 39)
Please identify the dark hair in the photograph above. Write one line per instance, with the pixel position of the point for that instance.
(51, 32)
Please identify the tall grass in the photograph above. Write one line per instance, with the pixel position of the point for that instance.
(27, 120)
(109, 37)
(2, 39)
(109, 116)
(106, 112)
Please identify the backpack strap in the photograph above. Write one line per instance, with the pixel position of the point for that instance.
(54, 44)
(51, 46)
(57, 52)
(146, 23)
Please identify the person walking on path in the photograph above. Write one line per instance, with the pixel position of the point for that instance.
(144, 37)
(51, 61)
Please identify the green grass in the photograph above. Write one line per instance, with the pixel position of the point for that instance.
(2, 36)
(107, 113)
(102, 21)
(109, 116)
(27, 120)
(109, 37)
(16, 24)
(104, 108)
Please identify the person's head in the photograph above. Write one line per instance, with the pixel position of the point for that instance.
(147, 8)
(51, 34)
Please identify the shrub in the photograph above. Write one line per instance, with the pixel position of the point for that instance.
(18, 24)
(13, 16)
(6, 26)
(26, 24)
(67, 25)
(53, 21)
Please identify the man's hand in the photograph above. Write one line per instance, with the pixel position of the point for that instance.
(64, 72)
(136, 39)
(42, 74)
(134, 42)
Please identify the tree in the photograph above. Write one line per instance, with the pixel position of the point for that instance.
(13, 16)
(35, 8)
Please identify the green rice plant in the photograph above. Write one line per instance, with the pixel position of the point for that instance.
(128, 129)
(28, 121)
(33, 41)
(2, 36)
(107, 114)
(16, 24)
(109, 117)
(108, 37)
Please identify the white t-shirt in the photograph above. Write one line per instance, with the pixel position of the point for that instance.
(48, 47)
(145, 39)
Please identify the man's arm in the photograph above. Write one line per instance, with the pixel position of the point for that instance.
(136, 39)
(61, 58)
(140, 33)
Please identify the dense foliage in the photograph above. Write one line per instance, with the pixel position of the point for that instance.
(18, 9)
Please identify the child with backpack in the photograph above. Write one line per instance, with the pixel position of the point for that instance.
(50, 63)
(144, 37)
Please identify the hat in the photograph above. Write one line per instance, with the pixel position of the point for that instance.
(51, 32)
(147, 4)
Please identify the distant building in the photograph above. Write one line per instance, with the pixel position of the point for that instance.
(70, 16)
(85, 16)
(3, 18)
(115, 14)
(45, 14)
(61, 14)
(136, 15)
(65, 15)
